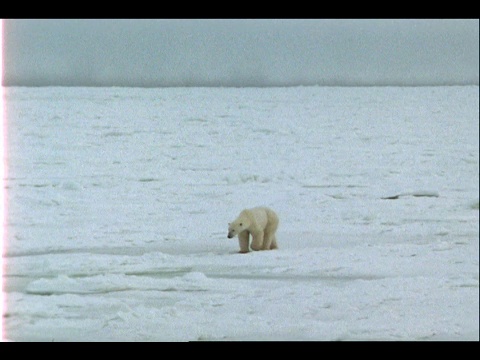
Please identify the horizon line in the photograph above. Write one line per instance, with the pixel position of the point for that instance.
(434, 84)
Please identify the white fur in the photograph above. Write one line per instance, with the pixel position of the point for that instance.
(261, 223)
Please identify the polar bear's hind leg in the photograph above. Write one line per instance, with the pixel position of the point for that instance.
(268, 240)
(273, 245)
(257, 241)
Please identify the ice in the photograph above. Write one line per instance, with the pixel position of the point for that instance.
(119, 200)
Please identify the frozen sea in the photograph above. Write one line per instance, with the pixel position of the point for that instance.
(119, 200)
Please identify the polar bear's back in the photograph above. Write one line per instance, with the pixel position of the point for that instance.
(263, 216)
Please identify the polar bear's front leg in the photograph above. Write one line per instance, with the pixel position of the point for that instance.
(243, 238)
(257, 241)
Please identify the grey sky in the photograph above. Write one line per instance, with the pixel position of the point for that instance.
(240, 52)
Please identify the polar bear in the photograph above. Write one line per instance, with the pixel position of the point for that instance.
(261, 223)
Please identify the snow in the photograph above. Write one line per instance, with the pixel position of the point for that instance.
(119, 200)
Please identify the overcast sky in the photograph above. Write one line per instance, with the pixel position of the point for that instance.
(240, 52)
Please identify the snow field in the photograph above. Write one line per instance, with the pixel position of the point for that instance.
(119, 199)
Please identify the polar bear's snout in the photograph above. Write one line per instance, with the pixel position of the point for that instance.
(230, 235)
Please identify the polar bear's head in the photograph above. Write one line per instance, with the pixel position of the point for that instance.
(237, 227)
